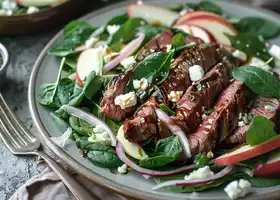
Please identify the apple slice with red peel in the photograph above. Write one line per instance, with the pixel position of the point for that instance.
(37, 3)
(271, 168)
(88, 61)
(196, 31)
(152, 14)
(246, 152)
(182, 19)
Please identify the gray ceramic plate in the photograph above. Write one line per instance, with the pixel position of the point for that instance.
(132, 185)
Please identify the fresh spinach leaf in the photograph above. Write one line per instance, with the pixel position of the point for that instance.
(206, 6)
(102, 155)
(155, 68)
(253, 45)
(92, 85)
(261, 129)
(75, 33)
(167, 150)
(61, 124)
(150, 31)
(126, 32)
(47, 92)
(166, 109)
(178, 41)
(176, 8)
(71, 64)
(257, 26)
(65, 90)
(258, 80)
(80, 126)
(260, 182)
(118, 20)
(201, 160)
(253, 162)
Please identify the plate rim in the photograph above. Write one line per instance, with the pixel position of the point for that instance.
(79, 168)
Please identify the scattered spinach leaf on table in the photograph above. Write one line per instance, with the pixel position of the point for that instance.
(258, 80)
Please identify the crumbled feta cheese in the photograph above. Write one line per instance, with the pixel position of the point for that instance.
(110, 56)
(240, 55)
(256, 62)
(9, 5)
(126, 100)
(168, 47)
(274, 51)
(90, 42)
(238, 189)
(203, 172)
(174, 96)
(140, 84)
(152, 50)
(128, 62)
(100, 135)
(98, 129)
(112, 29)
(196, 72)
(9, 12)
(122, 169)
(241, 123)
(32, 9)
(269, 108)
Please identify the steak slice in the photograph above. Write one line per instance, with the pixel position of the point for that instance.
(201, 95)
(117, 85)
(271, 112)
(222, 121)
(137, 132)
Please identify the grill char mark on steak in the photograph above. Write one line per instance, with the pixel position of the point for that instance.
(195, 101)
(258, 109)
(117, 85)
(205, 55)
(222, 121)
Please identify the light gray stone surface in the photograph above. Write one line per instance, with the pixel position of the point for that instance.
(14, 170)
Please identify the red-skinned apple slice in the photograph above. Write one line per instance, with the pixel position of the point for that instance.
(152, 14)
(196, 31)
(88, 61)
(271, 168)
(182, 19)
(213, 23)
(246, 152)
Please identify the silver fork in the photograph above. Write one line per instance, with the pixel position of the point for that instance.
(21, 142)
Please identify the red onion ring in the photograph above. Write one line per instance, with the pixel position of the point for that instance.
(127, 51)
(176, 130)
(122, 156)
(218, 175)
(92, 120)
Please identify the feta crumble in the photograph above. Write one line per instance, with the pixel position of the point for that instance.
(128, 62)
(112, 29)
(196, 72)
(168, 47)
(9, 5)
(122, 169)
(240, 55)
(98, 129)
(274, 51)
(126, 100)
(241, 123)
(269, 108)
(238, 189)
(9, 12)
(203, 172)
(174, 96)
(90, 42)
(32, 9)
(140, 84)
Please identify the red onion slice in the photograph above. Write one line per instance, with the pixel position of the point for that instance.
(218, 175)
(122, 156)
(91, 119)
(127, 51)
(176, 130)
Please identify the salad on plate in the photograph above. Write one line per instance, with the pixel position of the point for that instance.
(188, 97)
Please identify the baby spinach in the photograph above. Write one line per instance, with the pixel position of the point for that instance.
(253, 45)
(261, 129)
(178, 41)
(150, 31)
(260, 182)
(257, 26)
(75, 33)
(155, 68)
(80, 126)
(47, 94)
(126, 32)
(201, 160)
(92, 85)
(253, 162)
(206, 6)
(167, 150)
(118, 20)
(61, 124)
(65, 90)
(258, 80)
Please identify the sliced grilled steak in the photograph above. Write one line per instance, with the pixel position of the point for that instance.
(117, 85)
(222, 121)
(201, 95)
(262, 106)
(205, 55)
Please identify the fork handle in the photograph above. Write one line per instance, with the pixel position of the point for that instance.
(79, 191)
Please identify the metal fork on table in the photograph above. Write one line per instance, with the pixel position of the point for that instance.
(22, 142)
